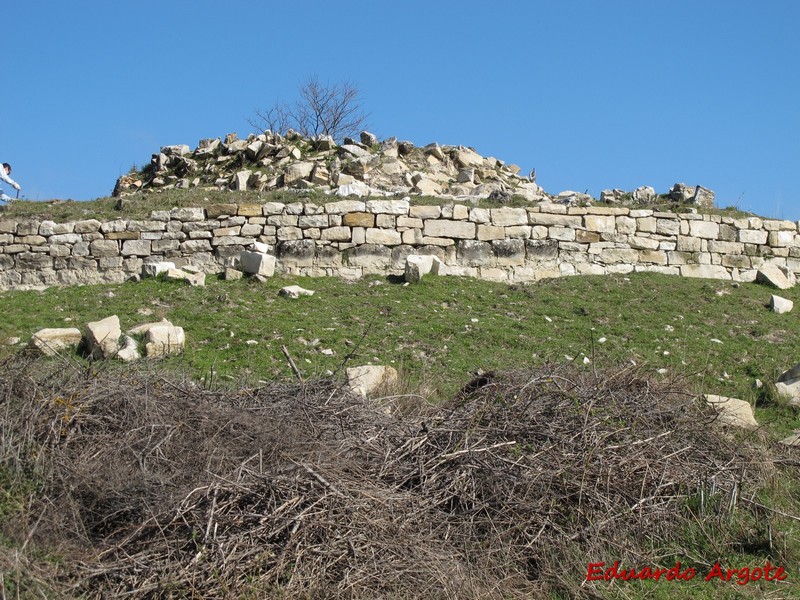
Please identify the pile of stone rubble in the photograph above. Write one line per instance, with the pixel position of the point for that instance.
(366, 167)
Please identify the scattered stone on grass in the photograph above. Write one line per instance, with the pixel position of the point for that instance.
(774, 276)
(164, 340)
(102, 337)
(51, 341)
(780, 305)
(732, 411)
(365, 380)
(295, 291)
(417, 266)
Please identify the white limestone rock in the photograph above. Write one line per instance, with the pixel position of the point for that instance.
(154, 269)
(257, 263)
(295, 291)
(732, 411)
(773, 276)
(780, 305)
(788, 385)
(193, 279)
(145, 327)
(129, 350)
(367, 379)
(102, 337)
(417, 266)
(51, 341)
(164, 340)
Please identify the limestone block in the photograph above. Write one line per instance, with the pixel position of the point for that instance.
(618, 255)
(781, 238)
(449, 229)
(257, 263)
(417, 266)
(51, 341)
(296, 172)
(732, 411)
(102, 337)
(154, 269)
(385, 237)
(490, 232)
(345, 206)
(704, 229)
(294, 291)
(541, 249)
(296, 253)
(475, 253)
(371, 257)
(136, 248)
(336, 234)
(753, 236)
(143, 328)
(87, 226)
(231, 274)
(358, 219)
(412, 236)
(705, 271)
(368, 379)
(600, 223)
(564, 234)
(771, 275)
(193, 279)
(425, 212)
(780, 305)
(509, 252)
(391, 207)
(502, 217)
(164, 340)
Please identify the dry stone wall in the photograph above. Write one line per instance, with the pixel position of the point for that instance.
(351, 238)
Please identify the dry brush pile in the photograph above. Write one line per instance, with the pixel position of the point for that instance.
(150, 486)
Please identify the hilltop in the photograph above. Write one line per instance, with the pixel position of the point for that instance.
(365, 167)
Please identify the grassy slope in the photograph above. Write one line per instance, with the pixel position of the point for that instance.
(720, 335)
(439, 331)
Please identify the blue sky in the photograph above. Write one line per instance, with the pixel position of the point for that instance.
(593, 94)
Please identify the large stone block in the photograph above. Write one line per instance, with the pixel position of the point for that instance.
(257, 263)
(51, 341)
(296, 253)
(369, 256)
(102, 337)
(541, 249)
(368, 379)
(473, 253)
(104, 248)
(164, 340)
(136, 248)
(391, 207)
(418, 266)
(385, 237)
(509, 252)
(449, 229)
(358, 219)
(502, 217)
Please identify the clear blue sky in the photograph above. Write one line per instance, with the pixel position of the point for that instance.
(593, 94)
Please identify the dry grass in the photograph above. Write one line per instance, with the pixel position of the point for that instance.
(153, 487)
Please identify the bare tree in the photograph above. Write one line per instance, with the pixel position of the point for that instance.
(334, 110)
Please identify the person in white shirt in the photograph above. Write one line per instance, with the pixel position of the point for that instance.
(4, 175)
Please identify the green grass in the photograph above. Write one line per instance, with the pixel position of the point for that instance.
(140, 205)
(719, 335)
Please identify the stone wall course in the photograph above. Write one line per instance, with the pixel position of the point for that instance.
(355, 237)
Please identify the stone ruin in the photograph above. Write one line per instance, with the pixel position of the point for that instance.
(365, 168)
